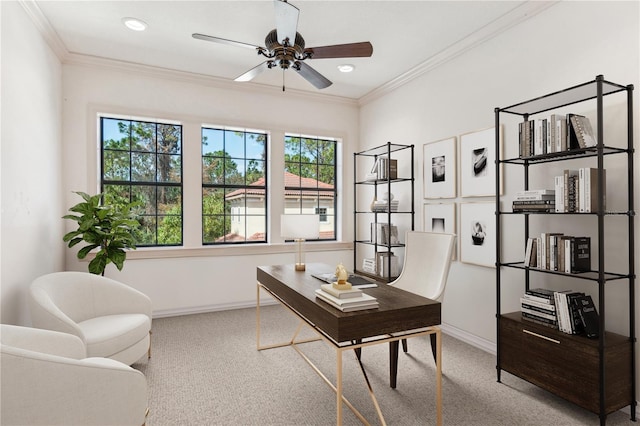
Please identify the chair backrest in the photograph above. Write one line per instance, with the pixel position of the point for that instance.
(81, 295)
(427, 259)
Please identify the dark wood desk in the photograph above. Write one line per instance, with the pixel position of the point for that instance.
(400, 315)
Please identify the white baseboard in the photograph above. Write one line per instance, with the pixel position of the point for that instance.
(469, 338)
(210, 308)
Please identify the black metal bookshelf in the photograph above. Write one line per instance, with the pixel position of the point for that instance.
(609, 346)
(369, 157)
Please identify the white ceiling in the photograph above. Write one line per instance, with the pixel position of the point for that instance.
(405, 35)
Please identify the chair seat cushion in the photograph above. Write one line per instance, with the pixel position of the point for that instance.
(107, 335)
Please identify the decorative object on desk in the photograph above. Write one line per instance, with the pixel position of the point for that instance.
(440, 218)
(341, 282)
(477, 159)
(300, 227)
(477, 233)
(439, 168)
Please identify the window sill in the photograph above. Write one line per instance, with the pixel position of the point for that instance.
(225, 250)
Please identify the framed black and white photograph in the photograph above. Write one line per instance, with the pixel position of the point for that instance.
(440, 218)
(439, 169)
(477, 236)
(477, 163)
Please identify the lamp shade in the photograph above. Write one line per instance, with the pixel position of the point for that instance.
(300, 226)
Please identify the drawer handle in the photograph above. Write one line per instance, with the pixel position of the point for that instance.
(541, 336)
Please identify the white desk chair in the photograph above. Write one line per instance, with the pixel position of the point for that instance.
(427, 259)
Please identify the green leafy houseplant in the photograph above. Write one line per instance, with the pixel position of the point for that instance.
(109, 227)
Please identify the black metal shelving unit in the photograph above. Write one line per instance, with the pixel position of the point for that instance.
(594, 90)
(388, 150)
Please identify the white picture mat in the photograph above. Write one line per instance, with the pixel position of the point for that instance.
(441, 185)
(472, 250)
(433, 213)
(477, 163)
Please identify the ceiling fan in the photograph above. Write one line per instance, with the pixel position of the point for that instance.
(285, 48)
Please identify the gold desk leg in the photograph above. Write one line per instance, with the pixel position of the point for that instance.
(370, 388)
(339, 387)
(438, 376)
(258, 315)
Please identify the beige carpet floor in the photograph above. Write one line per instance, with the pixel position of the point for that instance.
(205, 370)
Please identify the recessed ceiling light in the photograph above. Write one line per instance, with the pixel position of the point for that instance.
(346, 67)
(134, 24)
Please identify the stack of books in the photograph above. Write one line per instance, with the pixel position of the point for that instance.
(538, 305)
(536, 200)
(384, 206)
(350, 300)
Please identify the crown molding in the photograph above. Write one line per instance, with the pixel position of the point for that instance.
(44, 26)
(501, 24)
(200, 79)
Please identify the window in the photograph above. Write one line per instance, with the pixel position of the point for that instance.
(322, 212)
(310, 180)
(234, 186)
(141, 161)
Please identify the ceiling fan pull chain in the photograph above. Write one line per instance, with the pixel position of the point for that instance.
(283, 79)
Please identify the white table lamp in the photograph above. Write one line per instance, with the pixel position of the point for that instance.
(300, 227)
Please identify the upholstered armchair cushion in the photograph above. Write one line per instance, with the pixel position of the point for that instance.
(112, 319)
(46, 380)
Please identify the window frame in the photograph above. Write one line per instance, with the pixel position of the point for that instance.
(232, 187)
(336, 145)
(155, 183)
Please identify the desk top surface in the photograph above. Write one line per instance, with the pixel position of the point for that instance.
(398, 310)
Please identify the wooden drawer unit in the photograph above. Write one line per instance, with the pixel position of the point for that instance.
(566, 365)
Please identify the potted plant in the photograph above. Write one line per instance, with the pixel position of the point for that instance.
(108, 227)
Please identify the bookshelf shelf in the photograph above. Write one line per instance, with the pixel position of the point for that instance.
(546, 356)
(366, 190)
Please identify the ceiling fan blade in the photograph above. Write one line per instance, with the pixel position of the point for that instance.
(286, 21)
(224, 41)
(253, 72)
(312, 76)
(349, 50)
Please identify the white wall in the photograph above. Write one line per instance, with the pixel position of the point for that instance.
(222, 277)
(31, 173)
(567, 44)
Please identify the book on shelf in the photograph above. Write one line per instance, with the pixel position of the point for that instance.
(583, 131)
(588, 189)
(558, 132)
(364, 301)
(383, 234)
(541, 295)
(341, 294)
(535, 305)
(588, 316)
(542, 321)
(530, 250)
(533, 205)
(385, 168)
(385, 206)
(369, 265)
(535, 194)
(559, 189)
(384, 258)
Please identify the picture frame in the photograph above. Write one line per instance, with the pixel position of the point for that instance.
(477, 236)
(477, 163)
(439, 169)
(441, 218)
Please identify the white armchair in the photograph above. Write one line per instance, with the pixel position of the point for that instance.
(112, 319)
(47, 380)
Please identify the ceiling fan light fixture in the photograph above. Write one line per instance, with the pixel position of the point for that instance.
(346, 68)
(134, 24)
